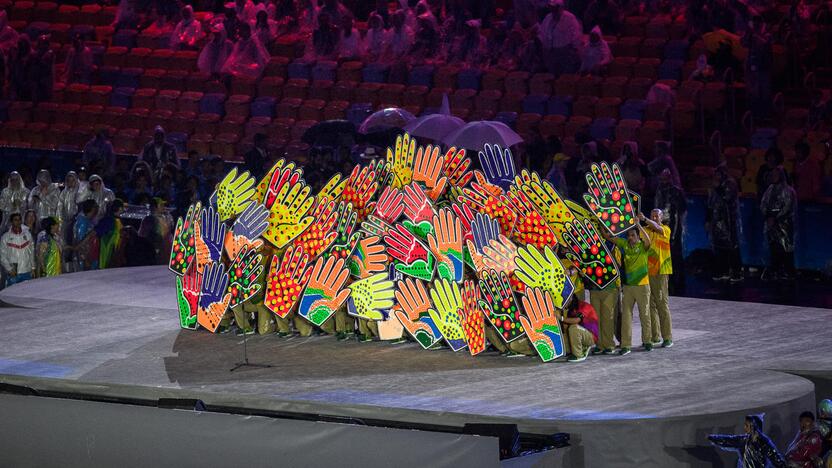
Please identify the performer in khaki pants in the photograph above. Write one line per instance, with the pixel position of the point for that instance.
(634, 251)
(659, 268)
(580, 329)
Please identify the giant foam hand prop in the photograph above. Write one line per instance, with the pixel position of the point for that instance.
(481, 201)
(446, 245)
(414, 303)
(286, 280)
(410, 256)
(498, 166)
(246, 230)
(233, 194)
(324, 293)
(400, 160)
(288, 214)
(427, 171)
(472, 318)
(587, 250)
(609, 200)
(209, 234)
(213, 297)
(360, 190)
(242, 276)
(447, 300)
(320, 235)
(499, 305)
(543, 270)
(542, 325)
(183, 248)
(371, 297)
(188, 288)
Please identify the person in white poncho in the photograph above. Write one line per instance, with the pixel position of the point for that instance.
(596, 55)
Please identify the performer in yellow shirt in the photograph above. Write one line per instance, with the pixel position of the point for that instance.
(659, 268)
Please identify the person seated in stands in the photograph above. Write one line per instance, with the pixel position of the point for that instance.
(377, 38)
(49, 251)
(158, 152)
(215, 53)
(8, 36)
(596, 55)
(753, 447)
(17, 252)
(245, 10)
(248, 58)
(19, 64)
(335, 10)
(188, 32)
(470, 48)
(661, 162)
(265, 29)
(349, 42)
(160, 23)
(78, 66)
(703, 71)
(42, 71)
(580, 329)
(561, 34)
(325, 39)
(426, 42)
(805, 449)
(126, 15)
(401, 38)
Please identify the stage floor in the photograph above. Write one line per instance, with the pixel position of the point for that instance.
(121, 327)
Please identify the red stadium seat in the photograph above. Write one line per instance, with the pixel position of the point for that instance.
(494, 79)
(517, 82)
(488, 100)
(183, 122)
(288, 108)
(189, 102)
(145, 98)
(296, 88)
(271, 86)
(350, 71)
(344, 90)
(321, 89)
(368, 92)
(166, 99)
(336, 110)
(614, 86)
(541, 84)
(553, 125)
(391, 94)
(415, 96)
(238, 105)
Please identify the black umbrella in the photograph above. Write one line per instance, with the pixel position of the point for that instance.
(330, 133)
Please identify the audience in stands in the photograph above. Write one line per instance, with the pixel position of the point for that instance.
(158, 152)
(98, 153)
(78, 66)
(215, 52)
(248, 58)
(188, 32)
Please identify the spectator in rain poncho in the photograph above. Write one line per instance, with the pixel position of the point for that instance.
(68, 202)
(754, 448)
(13, 198)
(248, 58)
(427, 41)
(722, 224)
(245, 10)
(78, 65)
(633, 168)
(596, 55)
(779, 205)
(264, 29)
(401, 38)
(126, 16)
(101, 195)
(45, 197)
(335, 10)
(470, 48)
(376, 39)
(661, 93)
(308, 15)
(561, 35)
(17, 252)
(670, 198)
(98, 153)
(349, 43)
(661, 162)
(8, 36)
(325, 38)
(188, 32)
(215, 53)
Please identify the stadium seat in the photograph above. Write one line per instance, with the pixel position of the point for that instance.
(375, 73)
(494, 79)
(517, 82)
(288, 108)
(312, 109)
(560, 105)
(296, 88)
(469, 78)
(238, 105)
(336, 110)
(357, 112)
(535, 104)
(212, 103)
(243, 85)
(324, 70)
(421, 75)
(541, 84)
(349, 71)
(263, 106)
(508, 118)
(321, 89)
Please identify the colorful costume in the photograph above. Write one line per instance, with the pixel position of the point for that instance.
(86, 243)
(805, 449)
(49, 250)
(755, 450)
(108, 231)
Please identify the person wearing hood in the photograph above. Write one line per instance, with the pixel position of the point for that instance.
(377, 38)
(426, 42)
(68, 200)
(805, 449)
(349, 43)
(188, 32)
(45, 197)
(779, 207)
(13, 198)
(470, 48)
(215, 52)
(723, 226)
(98, 153)
(596, 54)
(754, 448)
(248, 58)
(17, 252)
(101, 195)
(264, 29)
(158, 152)
(401, 37)
(561, 34)
(78, 65)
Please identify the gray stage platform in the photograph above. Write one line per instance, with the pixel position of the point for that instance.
(119, 328)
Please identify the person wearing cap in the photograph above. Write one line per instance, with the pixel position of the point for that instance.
(659, 268)
(561, 35)
(754, 448)
(158, 152)
(596, 54)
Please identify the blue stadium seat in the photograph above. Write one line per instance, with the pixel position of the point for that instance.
(535, 104)
(633, 109)
(508, 118)
(375, 73)
(122, 97)
(263, 107)
(213, 103)
(602, 128)
(469, 79)
(421, 76)
(560, 105)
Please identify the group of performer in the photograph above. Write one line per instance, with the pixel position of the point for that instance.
(419, 247)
